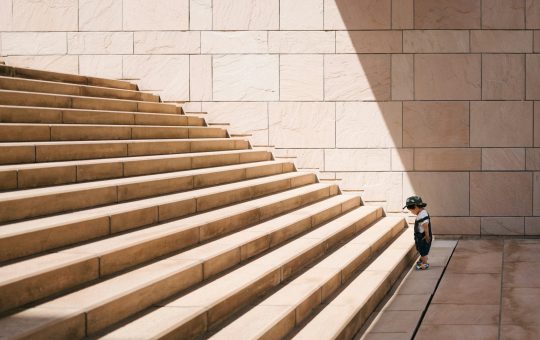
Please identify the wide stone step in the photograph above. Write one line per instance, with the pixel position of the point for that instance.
(20, 98)
(10, 132)
(277, 315)
(27, 176)
(345, 314)
(48, 115)
(38, 152)
(30, 85)
(29, 280)
(38, 235)
(17, 205)
(194, 313)
(20, 72)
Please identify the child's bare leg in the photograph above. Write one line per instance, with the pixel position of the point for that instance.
(424, 259)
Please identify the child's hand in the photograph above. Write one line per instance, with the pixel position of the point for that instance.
(427, 239)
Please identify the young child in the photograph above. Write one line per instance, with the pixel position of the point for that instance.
(422, 229)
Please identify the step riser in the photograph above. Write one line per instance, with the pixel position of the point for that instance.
(47, 176)
(69, 152)
(44, 133)
(44, 205)
(18, 84)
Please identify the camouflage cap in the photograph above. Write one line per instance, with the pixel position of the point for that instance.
(414, 200)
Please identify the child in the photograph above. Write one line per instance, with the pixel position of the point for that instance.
(422, 229)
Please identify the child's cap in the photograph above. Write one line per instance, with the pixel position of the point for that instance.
(414, 200)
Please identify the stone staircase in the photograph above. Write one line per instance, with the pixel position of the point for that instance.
(121, 217)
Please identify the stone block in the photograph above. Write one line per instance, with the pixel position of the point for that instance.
(536, 41)
(357, 160)
(402, 159)
(536, 193)
(456, 225)
(503, 76)
(33, 43)
(100, 42)
(501, 124)
(503, 159)
(301, 14)
(532, 225)
(246, 15)
(30, 15)
(301, 42)
(503, 226)
(436, 41)
(533, 76)
(447, 76)
(368, 125)
(447, 14)
(446, 193)
(246, 77)
(107, 66)
(501, 194)
(56, 63)
(200, 77)
(357, 77)
(142, 15)
(532, 14)
(368, 42)
(447, 159)
(357, 14)
(166, 75)
(100, 15)
(234, 42)
(435, 124)
(200, 15)
(6, 15)
(244, 117)
(501, 41)
(503, 14)
(376, 186)
(301, 77)
(295, 125)
(167, 42)
(304, 158)
(402, 14)
(402, 77)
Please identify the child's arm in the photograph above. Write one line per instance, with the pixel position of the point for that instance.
(426, 237)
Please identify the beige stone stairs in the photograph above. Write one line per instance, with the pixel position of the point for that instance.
(121, 217)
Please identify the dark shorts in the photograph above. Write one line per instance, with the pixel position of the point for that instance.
(422, 246)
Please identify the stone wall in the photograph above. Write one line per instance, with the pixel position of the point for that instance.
(394, 97)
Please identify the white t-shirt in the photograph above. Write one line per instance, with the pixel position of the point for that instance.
(420, 216)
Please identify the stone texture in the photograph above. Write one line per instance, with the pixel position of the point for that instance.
(383, 130)
(503, 77)
(375, 186)
(430, 185)
(533, 76)
(246, 14)
(536, 41)
(520, 306)
(477, 289)
(532, 13)
(501, 124)
(435, 124)
(357, 14)
(142, 15)
(234, 42)
(168, 75)
(357, 160)
(456, 225)
(402, 159)
(167, 42)
(457, 332)
(107, 66)
(30, 15)
(200, 77)
(294, 125)
(100, 15)
(447, 14)
(536, 198)
(357, 77)
(301, 42)
(100, 43)
(368, 42)
(301, 14)
(31, 43)
(304, 158)
(57, 63)
(501, 194)
(402, 77)
(402, 14)
(503, 226)
(200, 14)
(450, 314)
(501, 41)
(500, 159)
(435, 41)
(447, 77)
(501, 14)
(246, 77)
(447, 159)
(301, 77)
(6, 15)
(532, 225)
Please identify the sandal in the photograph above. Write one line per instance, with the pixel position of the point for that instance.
(424, 266)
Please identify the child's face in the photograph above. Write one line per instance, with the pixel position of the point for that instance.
(415, 210)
